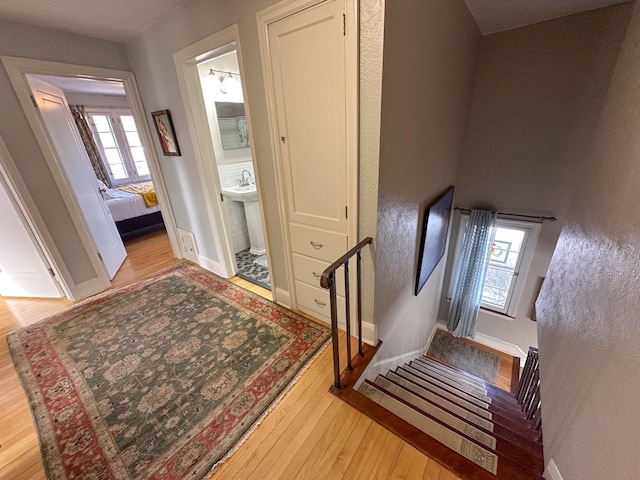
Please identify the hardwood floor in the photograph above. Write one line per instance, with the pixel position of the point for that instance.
(310, 434)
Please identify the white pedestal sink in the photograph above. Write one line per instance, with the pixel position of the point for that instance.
(249, 197)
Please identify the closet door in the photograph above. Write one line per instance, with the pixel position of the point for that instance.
(308, 66)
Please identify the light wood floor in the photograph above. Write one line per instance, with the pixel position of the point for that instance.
(310, 434)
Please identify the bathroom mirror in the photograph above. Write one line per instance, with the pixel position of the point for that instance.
(232, 123)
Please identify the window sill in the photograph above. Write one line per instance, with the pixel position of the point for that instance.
(493, 313)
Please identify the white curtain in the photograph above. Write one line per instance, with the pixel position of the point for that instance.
(470, 272)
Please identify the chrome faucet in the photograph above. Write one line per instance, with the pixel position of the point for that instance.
(245, 181)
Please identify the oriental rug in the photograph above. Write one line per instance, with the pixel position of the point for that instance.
(159, 379)
(464, 356)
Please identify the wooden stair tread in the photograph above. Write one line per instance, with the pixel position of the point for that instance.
(493, 463)
(488, 386)
(486, 435)
(519, 436)
(507, 405)
(457, 420)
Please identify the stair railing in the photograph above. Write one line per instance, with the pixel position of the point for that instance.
(328, 281)
(528, 392)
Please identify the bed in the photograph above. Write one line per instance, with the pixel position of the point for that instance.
(133, 218)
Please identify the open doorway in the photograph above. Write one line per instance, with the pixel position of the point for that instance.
(213, 86)
(225, 106)
(49, 115)
(116, 160)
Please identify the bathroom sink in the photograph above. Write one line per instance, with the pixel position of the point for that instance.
(241, 194)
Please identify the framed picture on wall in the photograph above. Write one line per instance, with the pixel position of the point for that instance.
(435, 229)
(166, 133)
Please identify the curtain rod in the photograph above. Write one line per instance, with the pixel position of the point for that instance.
(536, 217)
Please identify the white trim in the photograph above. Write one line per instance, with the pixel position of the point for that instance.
(12, 181)
(209, 264)
(527, 251)
(186, 61)
(264, 19)
(377, 368)
(370, 333)
(492, 342)
(88, 288)
(283, 296)
(17, 69)
(552, 472)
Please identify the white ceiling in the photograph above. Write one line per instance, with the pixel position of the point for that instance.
(116, 20)
(85, 85)
(498, 15)
(122, 20)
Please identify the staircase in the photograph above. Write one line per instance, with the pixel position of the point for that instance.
(475, 429)
(481, 423)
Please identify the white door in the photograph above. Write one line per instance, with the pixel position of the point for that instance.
(24, 271)
(308, 65)
(78, 173)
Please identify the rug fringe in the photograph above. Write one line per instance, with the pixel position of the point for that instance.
(269, 409)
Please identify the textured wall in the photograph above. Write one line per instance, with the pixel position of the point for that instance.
(430, 50)
(538, 93)
(371, 44)
(588, 321)
(21, 40)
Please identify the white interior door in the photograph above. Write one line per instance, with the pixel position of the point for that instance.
(308, 65)
(78, 173)
(24, 271)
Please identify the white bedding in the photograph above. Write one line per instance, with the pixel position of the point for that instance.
(123, 205)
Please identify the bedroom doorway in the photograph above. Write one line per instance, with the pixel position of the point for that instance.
(114, 92)
(116, 163)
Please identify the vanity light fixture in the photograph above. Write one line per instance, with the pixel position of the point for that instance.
(224, 78)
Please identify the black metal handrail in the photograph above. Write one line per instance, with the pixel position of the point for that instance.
(528, 393)
(328, 281)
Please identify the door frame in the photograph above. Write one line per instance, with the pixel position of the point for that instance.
(186, 61)
(11, 179)
(264, 19)
(17, 69)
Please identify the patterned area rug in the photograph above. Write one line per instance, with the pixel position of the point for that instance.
(159, 379)
(466, 357)
(253, 268)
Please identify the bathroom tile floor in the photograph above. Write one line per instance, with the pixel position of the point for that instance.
(253, 268)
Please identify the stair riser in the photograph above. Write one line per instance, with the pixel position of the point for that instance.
(452, 377)
(491, 389)
(512, 413)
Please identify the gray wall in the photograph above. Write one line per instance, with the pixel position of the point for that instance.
(588, 312)
(538, 93)
(430, 48)
(21, 40)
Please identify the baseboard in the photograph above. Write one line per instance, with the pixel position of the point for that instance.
(494, 343)
(88, 288)
(376, 368)
(369, 333)
(213, 266)
(552, 472)
(282, 297)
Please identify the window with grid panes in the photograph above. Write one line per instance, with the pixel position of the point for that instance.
(117, 138)
(509, 259)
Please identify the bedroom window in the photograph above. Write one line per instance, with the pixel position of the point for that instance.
(117, 138)
(511, 254)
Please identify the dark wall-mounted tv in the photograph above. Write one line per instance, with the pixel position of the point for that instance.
(435, 229)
